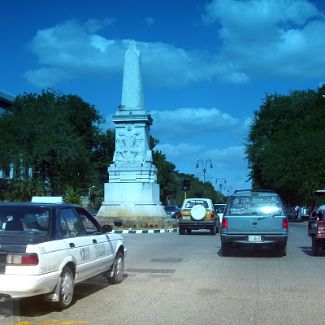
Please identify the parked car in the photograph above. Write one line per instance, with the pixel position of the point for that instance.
(198, 213)
(46, 248)
(316, 223)
(220, 208)
(298, 213)
(172, 211)
(255, 219)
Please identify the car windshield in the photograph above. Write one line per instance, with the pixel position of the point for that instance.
(190, 204)
(24, 219)
(254, 205)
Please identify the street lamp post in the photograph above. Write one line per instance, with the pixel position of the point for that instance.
(89, 190)
(204, 165)
(222, 182)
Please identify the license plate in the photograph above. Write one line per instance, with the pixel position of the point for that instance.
(254, 239)
(186, 217)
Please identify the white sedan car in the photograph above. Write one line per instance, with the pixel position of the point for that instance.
(46, 248)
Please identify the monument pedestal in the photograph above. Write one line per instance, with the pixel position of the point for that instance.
(132, 203)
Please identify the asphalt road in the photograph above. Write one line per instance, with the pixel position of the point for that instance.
(173, 279)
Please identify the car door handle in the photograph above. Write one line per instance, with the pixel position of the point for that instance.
(72, 245)
(94, 241)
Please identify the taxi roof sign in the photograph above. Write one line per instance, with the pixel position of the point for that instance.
(47, 199)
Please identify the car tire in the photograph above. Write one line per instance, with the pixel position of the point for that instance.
(116, 274)
(66, 289)
(225, 249)
(189, 231)
(213, 230)
(281, 250)
(181, 230)
(314, 246)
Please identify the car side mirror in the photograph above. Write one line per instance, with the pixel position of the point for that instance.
(107, 228)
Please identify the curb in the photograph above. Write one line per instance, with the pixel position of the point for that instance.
(144, 231)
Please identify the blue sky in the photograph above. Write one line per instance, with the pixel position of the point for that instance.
(207, 65)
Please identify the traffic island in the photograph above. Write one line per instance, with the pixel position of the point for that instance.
(140, 224)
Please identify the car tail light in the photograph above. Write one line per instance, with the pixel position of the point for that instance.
(212, 216)
(224, 223)
(22, 259)
(285, 223)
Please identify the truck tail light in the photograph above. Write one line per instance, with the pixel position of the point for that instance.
(285, 223)
(224, 223)
(22, 259)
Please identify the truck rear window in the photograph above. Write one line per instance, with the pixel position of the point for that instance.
(254, 205)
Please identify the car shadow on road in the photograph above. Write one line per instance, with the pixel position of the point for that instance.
(36, 306)
(307, 251)
(247, 252)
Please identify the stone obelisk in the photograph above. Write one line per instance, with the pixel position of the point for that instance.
(132, 193)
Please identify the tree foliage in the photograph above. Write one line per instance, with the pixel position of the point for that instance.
(286, 145)
(54, 135)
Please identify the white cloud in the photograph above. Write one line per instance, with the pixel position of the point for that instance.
(267, 38)
(179, 151)
(257, 38)
(194, 121)
(73, 49)
(46, 77)
(230, 157)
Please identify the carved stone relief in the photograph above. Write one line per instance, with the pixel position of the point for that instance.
(129, 145)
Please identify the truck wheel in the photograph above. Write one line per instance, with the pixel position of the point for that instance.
(225, 249)
(281, 250)
(66, 288)
(314, 246)
(115, 275)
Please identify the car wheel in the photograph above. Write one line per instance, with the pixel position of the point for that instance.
(314, 246)
(225, 249)
(213, 230)
(281, 250)
(66, 288)
(181, 230)
(189, 231)
(116, 273)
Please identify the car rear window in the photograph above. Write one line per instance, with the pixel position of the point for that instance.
(254, 205)
(190, 204)
(24, 219)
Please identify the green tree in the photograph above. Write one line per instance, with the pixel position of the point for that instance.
(55, 136)
(166, 176)
(285, 145)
